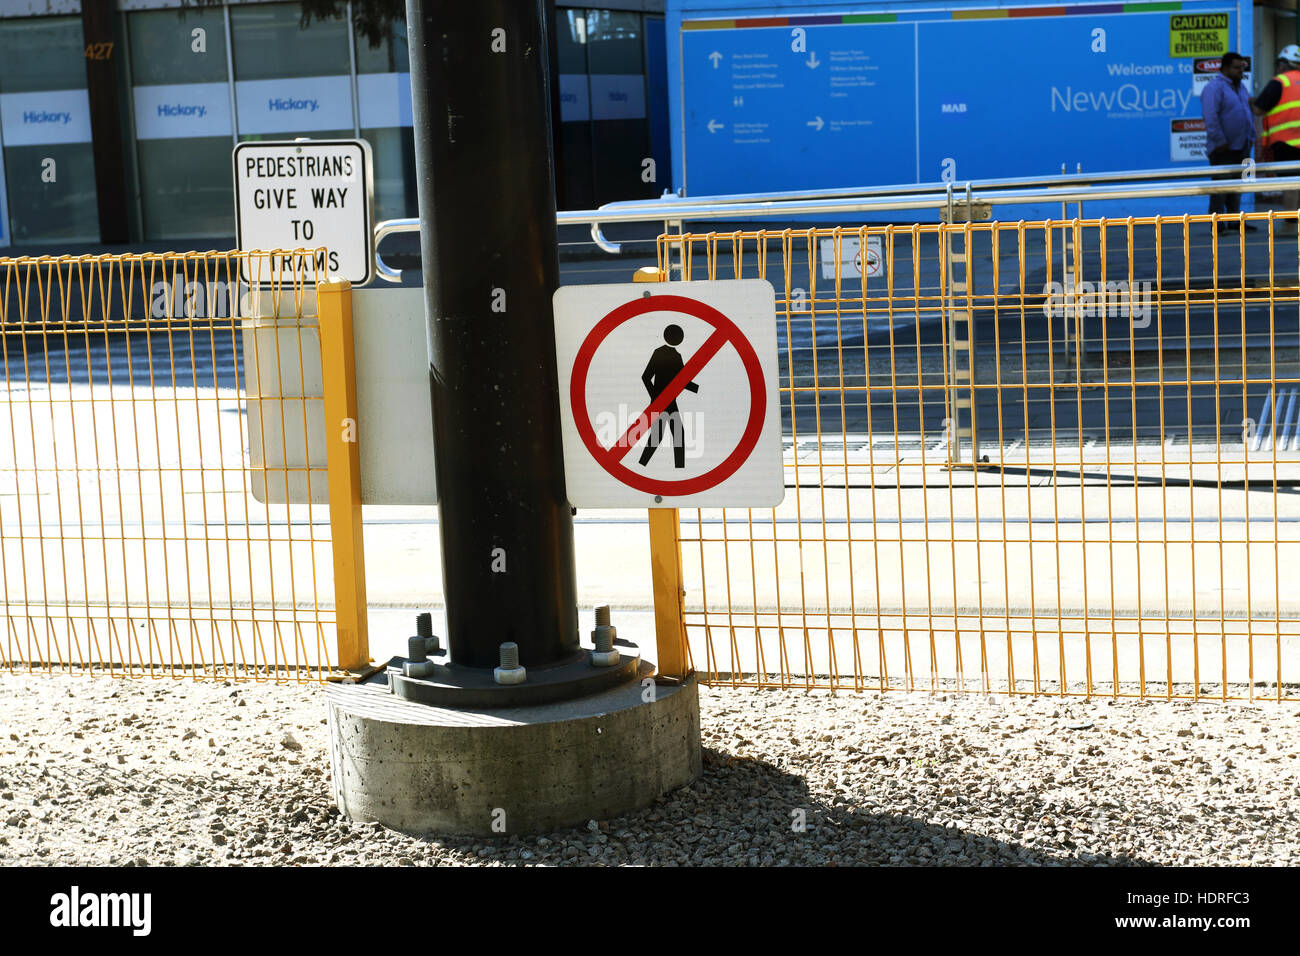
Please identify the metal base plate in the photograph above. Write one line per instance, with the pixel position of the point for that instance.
(451, 685)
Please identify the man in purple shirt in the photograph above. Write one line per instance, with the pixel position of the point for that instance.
(1229, 127)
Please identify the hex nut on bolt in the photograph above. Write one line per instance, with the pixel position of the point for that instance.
(603, 637)
(510, 672)
(418, 664)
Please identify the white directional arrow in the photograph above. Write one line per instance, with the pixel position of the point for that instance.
(716, 57)
(818, 123)
(714, 126)
(812, 60)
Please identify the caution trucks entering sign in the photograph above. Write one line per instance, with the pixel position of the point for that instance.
(1198, 34)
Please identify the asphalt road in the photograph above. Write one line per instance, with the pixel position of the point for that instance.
(1193, 344)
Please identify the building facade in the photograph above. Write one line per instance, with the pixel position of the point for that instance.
(191, 81)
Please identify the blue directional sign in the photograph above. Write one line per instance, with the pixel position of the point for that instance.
(757, 114)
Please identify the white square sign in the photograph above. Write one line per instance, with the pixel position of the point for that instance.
(668, 394)
(306, 195)
(853, 264)
(1187, 140)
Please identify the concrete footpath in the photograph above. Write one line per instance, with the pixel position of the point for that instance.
(1115, 573)
(404, 574)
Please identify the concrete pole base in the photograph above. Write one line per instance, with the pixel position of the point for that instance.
(424, 769)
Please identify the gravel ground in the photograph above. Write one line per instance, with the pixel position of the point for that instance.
(96, 771)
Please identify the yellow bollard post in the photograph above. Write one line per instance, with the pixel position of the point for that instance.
(666, 568)
(334, 307)
(666, 575)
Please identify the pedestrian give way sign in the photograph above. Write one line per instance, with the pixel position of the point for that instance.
(668, 394)
(305, 194)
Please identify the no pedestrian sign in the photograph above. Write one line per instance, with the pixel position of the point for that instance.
(306, 195)
(668, 394)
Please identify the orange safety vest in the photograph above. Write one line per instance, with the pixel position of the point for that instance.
(1282, 122)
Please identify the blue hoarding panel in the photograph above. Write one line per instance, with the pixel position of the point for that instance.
(1045, 97)
(926, 95)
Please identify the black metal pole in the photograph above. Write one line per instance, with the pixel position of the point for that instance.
(557, 137)
(481, 102)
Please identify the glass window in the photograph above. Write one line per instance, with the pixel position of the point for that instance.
(271, 42)
(49, 164)
(390, 56)
(163, 47)
(63, 210)
(570, 41)
(187, 189)
(281, 137)
(602, 106)
(290, 78)
(42, 53)
(393, 152)
(182, 127)
(614, 42)
(385, 121)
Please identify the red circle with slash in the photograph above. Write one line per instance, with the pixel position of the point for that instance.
(725, 332)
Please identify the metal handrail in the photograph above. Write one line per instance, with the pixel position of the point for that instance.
(1061, 179)
(390, 227)
(709, 209)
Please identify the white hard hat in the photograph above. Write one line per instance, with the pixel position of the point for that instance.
(1290, 53)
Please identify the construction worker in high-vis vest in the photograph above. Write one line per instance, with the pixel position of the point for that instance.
(1279, 104)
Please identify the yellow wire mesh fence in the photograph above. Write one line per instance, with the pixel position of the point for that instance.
(1057, 457)
(141, 531)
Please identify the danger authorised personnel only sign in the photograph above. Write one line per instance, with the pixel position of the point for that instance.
(668, 394)
(314, 194)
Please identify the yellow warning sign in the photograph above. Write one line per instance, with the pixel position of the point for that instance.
(1198, 34)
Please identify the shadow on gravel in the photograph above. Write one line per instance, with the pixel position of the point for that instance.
(745, 811)
(748, 811)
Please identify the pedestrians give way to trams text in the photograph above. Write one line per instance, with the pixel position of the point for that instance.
(668, 396)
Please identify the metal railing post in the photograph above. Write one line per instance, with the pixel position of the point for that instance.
(961, 333)
(967, 286)
(674, 227)
(1067, 279)
(334, 308)
(950, 338)
(1075, 338)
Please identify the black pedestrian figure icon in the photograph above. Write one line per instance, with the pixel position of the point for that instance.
(662, 368)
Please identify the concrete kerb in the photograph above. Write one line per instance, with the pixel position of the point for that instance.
(492, 773)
